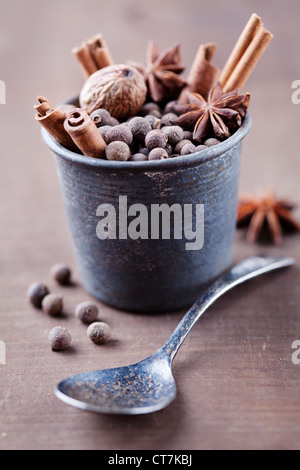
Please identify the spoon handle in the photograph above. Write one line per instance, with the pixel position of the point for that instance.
(243, 271)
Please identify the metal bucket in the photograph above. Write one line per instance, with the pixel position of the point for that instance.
(161, 271)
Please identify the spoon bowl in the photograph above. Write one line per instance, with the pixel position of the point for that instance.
(140, 388)
(148, 385)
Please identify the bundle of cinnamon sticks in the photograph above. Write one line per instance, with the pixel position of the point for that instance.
(247, 51)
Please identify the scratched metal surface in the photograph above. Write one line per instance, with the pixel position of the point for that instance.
(237, 385)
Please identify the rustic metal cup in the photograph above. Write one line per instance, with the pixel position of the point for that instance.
(150, 275)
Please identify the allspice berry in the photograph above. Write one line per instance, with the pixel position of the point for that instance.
(119, 133)
(61, 274)
(158, 154)
(99, 332)
(139, 127)
(117, 151)
(181, 144)
(101, 117)
(155, 139)
(87, 312)
(199, 148)
(59, 338)
(212, 141)
(52, 304)
(36, 292)
(174, 134)
(168, 119)
(150, 108)
(153, 121)
(138, 157)
(120, 89)
(188, 148)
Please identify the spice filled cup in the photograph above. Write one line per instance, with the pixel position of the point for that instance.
(150, 235)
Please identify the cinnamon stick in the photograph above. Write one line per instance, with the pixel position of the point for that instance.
(249, 60)
(202, 74)
(240, 47)
(83, 131)
(53, 121)
(93, 55)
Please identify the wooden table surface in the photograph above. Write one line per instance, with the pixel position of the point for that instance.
(237, 385)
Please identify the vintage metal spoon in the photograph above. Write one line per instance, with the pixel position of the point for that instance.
(149, 385)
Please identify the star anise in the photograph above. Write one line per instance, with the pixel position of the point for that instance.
(264, 214)
(220, 116)
(161, 72)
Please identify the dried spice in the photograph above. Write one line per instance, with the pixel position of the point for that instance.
(59, 338)
(36, 293)
(120, 89)
(162, 71)
(266, 215)
(220, 116)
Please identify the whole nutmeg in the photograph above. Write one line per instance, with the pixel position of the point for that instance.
(36, 292)
(120, 89)
(99, 332)
(52, 304)
(87, 312)
(59, 338)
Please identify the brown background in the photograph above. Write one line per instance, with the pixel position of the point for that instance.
(237, 386)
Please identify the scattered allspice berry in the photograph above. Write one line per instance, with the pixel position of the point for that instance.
(36, 292)
(59, 338)
(99, 332)
(117, 151)
(87, 312)
(52, 304)
(61, 274)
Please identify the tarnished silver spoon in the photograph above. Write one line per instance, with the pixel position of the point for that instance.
(149, 385)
